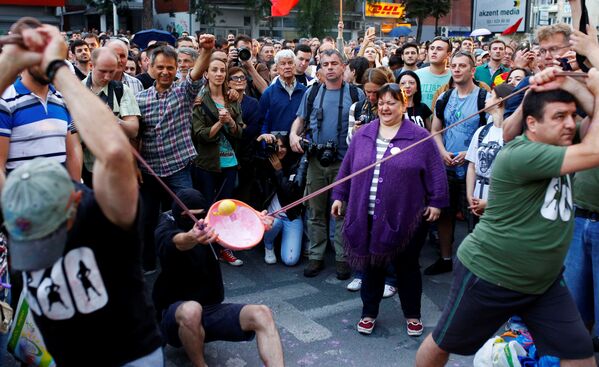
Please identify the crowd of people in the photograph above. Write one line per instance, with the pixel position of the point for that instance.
(268, 122)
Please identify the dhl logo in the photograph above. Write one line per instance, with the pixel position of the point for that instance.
(389, 10)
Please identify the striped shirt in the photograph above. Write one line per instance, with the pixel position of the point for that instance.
(36, 128)
(166, 126)
(381, 147)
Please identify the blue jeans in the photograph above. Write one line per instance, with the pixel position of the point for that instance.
(153, 197)
(215, 186)
(291, 244)
(582, 270)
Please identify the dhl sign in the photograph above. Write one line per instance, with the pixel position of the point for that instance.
(384, 10)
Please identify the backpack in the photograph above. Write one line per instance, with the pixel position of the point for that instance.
(483, 133)
(353, 92)
(114, 86)
(442, 102)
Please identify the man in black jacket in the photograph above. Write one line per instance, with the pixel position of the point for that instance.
(189, 291)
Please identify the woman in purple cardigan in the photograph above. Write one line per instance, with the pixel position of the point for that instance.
(387, 208)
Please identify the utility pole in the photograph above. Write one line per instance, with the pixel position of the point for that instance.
(115, 18)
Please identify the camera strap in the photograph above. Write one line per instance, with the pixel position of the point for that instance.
(339, 114)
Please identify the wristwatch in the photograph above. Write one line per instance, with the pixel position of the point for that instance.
(53, 67)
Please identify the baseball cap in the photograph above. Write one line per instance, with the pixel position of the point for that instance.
(35, 205)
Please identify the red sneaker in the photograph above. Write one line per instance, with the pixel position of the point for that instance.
(366, 326)
(227, 256)
(415, 328)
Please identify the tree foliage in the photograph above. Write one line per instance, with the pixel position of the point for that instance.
(206, 12)
(420, 10)
(315, 18)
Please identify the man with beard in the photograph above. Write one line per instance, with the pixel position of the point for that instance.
(487, 73)
(81, 53)
(35, 122)
(409, 56)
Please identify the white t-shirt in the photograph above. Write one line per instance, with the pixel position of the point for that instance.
(483, 157)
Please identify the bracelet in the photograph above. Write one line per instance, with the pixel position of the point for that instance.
(53, 67)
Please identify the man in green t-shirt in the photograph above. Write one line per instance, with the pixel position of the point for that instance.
(511, 263)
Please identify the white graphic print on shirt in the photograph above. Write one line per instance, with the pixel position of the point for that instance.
(73, 284)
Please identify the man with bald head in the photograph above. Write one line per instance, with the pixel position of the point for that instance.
(121, 49)
(117, 95)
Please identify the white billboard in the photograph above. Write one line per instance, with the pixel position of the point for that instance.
(497, 15)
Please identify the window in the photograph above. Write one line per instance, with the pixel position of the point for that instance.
(247, 21)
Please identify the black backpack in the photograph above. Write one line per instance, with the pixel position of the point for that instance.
(442, 102)
(114, 86)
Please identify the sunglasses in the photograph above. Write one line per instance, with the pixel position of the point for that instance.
(238, 78)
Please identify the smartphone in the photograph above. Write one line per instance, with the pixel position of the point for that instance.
(370, 30)
(563, 62)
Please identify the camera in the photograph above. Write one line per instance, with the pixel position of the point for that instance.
(270, 149)
(244, 53)
(325, 153)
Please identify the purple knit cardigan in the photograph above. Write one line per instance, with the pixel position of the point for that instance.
(407, 184)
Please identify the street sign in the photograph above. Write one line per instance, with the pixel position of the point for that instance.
(497, 15)
(384, 10)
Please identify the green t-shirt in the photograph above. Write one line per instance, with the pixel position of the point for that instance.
(586, 185)
(522, 239)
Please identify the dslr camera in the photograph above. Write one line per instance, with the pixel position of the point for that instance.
(325, 153)
(244, 54)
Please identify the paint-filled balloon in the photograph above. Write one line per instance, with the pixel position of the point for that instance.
(226, 207)
(238, 229)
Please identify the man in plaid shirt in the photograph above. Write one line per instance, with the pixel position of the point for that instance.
(166, 133)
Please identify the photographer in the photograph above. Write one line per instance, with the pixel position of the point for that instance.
(329, 130)
(241, 55)
(283, 182)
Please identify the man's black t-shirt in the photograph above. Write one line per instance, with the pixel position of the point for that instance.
(418, 114)
(79, 73)
(302, 79)
(91, 305)
(146, 80)
(192, 275)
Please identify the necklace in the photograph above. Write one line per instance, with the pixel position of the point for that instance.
(458, 109)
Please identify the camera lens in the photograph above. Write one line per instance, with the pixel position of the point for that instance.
(244, 54)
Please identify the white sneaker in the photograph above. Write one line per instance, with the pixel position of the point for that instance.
(389, 291)
(269, 256)
(355, 285)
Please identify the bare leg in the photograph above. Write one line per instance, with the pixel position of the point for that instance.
(587, 362)
(430, 355)
(191, 332)
(258, 318)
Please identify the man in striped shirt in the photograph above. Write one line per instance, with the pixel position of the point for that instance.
(166, 132)
(35, 122)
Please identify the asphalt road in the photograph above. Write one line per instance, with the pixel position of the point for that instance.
(317, 317)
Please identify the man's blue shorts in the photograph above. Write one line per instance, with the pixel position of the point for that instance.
(220, 322)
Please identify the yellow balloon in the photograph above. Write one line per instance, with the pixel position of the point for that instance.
(226, 207)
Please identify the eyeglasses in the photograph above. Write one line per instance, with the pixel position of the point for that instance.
(552, 50)
(240, 78)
